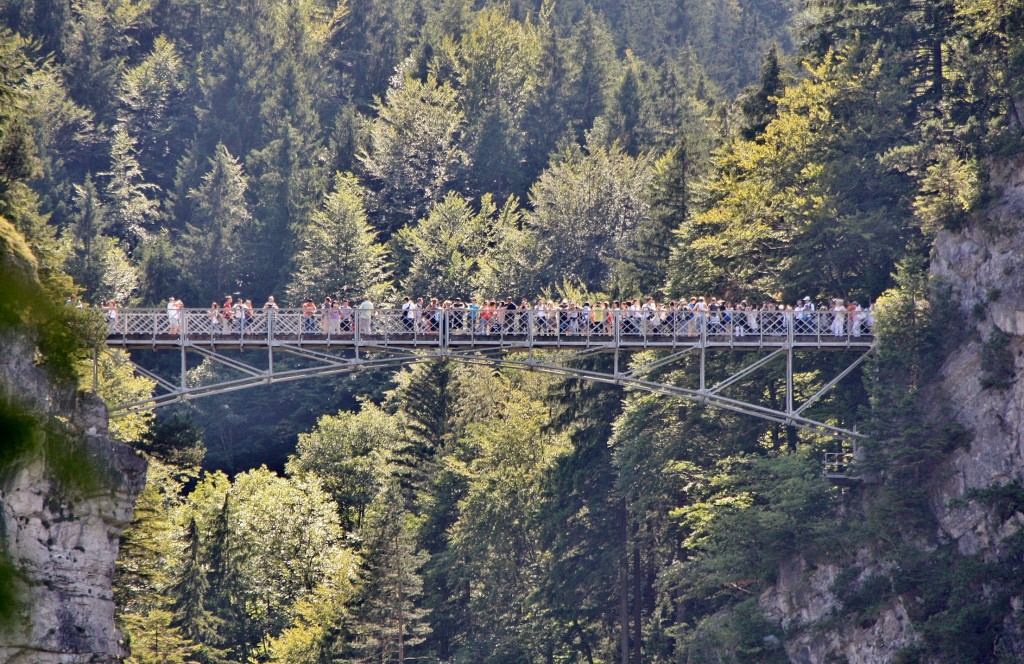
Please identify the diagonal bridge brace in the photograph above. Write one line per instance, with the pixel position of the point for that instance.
(746, 371)
(159, 380)
(660, 362)
(228, 362)
(832, 383)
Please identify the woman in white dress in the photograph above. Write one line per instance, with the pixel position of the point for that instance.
(838, 318)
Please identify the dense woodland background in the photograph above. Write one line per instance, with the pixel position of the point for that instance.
(768, 149)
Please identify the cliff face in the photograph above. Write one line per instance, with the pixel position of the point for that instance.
(62, 542)
(64, 548)
(984, 266)
(980, 388)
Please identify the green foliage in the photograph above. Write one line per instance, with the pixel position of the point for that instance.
(997, 362)
(786, 213)
(958, 602)
(351, 455)
(217, 249)
(338, 250)
(388, 620)
(751, 516)
(117, 383)
(1004, 500)
(447, 247)
(154, 640)
(587, 209)
(187, 147)
(413, 152)
(741, 635)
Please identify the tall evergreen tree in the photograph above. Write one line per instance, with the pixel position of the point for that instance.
(189, 591)
(85, 235)
(389, 622)
(338, 250)
(760, 104)
(215, 248)
(129, 199)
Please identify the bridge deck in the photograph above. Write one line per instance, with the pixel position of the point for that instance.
(389, 328)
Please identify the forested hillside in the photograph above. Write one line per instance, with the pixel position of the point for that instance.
(760, 150)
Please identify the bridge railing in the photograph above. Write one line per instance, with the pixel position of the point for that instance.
(454, 327)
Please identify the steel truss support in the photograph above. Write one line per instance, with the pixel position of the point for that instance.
(327, 364)
(660, 362)
(832, 383)
(745, 371)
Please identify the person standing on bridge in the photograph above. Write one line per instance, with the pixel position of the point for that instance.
(227, 314)
(408, 313)
(365, 315)
(838, 318)
(110, 315)
(345, 317)
(308, 316)
(173, 316)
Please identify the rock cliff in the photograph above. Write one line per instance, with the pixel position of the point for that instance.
(981, 267)
(62, 541)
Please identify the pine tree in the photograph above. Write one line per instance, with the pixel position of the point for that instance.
(189, 591)
(669, 194)
(131, 208)
(85, 235)
(627, 110)
(215, 245)
(338, 250)
(153, 109)
(225, 588)
(389, 621)
(759, 105)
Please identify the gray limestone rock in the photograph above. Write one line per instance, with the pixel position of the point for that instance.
(65, 547)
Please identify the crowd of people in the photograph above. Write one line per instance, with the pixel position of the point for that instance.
(542, 317)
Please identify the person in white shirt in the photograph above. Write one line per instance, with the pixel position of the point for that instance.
(365, 314)
(173, 316)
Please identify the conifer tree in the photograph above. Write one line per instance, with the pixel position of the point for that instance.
(189, 592)
(89, 223)
(390, 623)
(338, 250)
(669, 194)
(760, 104)
(130, 205)
(216, 243)
(225, 588)
(627, 109)
(152, 99)
(425, 398)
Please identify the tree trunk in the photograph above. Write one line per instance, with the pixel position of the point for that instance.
(624, 613)
(637, 604)
(401, 605)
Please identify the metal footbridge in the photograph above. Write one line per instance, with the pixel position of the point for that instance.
(253, 346)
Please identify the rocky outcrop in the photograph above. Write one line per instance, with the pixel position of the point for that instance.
(64, 543)
(803, 602)
(982, 269)
(60, 536)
